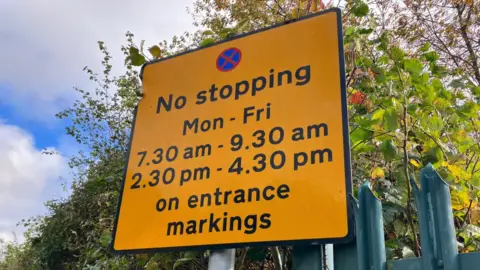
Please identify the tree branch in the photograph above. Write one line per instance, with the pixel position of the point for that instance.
(467, 213)
(466, 39)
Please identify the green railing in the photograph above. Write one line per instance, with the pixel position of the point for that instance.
(437, 234)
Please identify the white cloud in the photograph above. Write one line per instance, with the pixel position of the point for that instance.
(27, 179)
(45, 44)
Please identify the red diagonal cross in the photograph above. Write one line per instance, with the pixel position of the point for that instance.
(228, 59)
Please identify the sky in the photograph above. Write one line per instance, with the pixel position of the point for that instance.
(44, 46)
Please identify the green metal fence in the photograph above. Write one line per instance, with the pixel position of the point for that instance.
(437, 234)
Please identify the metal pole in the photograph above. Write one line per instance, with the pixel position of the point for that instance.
(329, 256)
(222, 259)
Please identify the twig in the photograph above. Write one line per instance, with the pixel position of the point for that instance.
(436, 142)
(468, 43)
(476, 131)
(278, 11)
(405, 167)
(350, 76)
(467, 213)
(405, 160)
(242, 259)
(280, 6)
(469, 161)
(475, 165)
(277, 259)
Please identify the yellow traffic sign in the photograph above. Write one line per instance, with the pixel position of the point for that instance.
(242, 142)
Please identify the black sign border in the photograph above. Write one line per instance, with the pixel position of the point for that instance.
(346, 146)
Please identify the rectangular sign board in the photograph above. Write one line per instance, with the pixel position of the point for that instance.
(240, 143)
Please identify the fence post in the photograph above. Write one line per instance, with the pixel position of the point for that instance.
(436, 199)
(428, 257)
(369, 226)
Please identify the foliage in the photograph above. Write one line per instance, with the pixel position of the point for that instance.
(413, 94)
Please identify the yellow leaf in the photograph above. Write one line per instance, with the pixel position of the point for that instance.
(295, 13)
(314, 6)
(155, 51)
(458, 173)
(460, 199)
(378, 173)
(475, 215)
(414, 163)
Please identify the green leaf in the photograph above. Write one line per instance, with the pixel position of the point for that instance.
(365, 31)
(151, 265)
(206, 42)
(155, 51)
(365, 148)
(380, 78)
(433, 155)
(360, 10)
(135, 57)
(208, 33)
(365, 122)
(349, 30)
(434, 123)
(227, 32)
(400, 227)
(390, 212)
(137, 60)
(190, 255)
(397, 54)
(389, 150)
(105, 239)
(361, 134)
(467, 110)
(438, 70)
(133, 50)
(412, 109)
(378, 114)
(432, 56)
(364, 62)
(476, 181)
(391, 119)
(437, 84)
(414, 66)
(476, 91)
(181, 261)
(425, 47)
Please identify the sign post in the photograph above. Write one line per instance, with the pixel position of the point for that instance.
(241, 143)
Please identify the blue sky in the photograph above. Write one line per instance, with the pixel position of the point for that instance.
(44, 46)
(45, 135)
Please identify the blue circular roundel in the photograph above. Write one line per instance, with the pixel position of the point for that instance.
(229, 59)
